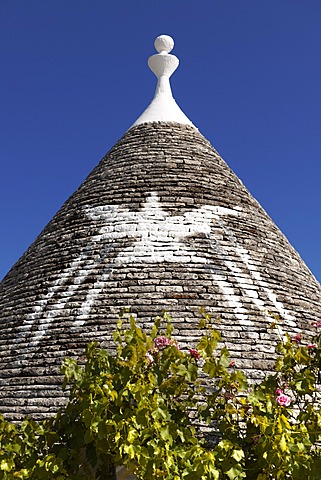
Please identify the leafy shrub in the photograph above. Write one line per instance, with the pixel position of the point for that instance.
(147, 407)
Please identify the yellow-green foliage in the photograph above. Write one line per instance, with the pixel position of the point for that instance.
(143, 406)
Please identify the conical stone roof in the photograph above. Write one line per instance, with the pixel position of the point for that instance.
(161, 223)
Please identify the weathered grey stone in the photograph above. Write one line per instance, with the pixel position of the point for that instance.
(160, 223)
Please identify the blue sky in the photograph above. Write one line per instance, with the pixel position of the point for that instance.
(75, 77)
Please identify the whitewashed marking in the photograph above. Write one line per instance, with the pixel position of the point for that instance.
(155, 237)
(160, 238)
(258, 282)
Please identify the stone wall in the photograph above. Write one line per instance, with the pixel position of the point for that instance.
(161, 223)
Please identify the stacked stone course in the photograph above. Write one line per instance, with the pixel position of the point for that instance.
(161, 223)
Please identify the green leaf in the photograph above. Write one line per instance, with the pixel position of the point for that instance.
(235, 473)
(160, 413)
(283, 444)
(6, 465)
(238, 455)
(132, 435)
(224, 357)
(164, 432)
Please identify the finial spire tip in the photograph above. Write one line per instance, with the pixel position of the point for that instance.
(163, 107)
(164, 44)
(163, 63)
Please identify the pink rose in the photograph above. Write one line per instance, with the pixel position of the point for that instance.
(283, 400)
(161, 342)
(194, 353)
(232, 363)
(297, 338)
(279, 391)
(312, 345)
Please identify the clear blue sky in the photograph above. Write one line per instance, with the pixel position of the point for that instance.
(74, 77)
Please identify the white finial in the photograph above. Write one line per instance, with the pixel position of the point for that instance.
(163, 107)
(164, 43)
(163, 64)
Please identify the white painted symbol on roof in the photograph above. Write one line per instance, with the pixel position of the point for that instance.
(155, 237)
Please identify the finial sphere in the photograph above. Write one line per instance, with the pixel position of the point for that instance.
(164, 43)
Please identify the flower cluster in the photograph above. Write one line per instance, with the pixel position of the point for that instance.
(316, 324)
(194, 353)
(161, 342)
(297, 338)
(282, 399)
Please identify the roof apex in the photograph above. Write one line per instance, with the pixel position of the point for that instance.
(163, 107)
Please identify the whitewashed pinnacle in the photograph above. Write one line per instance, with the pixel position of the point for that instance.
(163, 107)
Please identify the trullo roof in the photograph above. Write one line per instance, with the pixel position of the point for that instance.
(161, 223)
